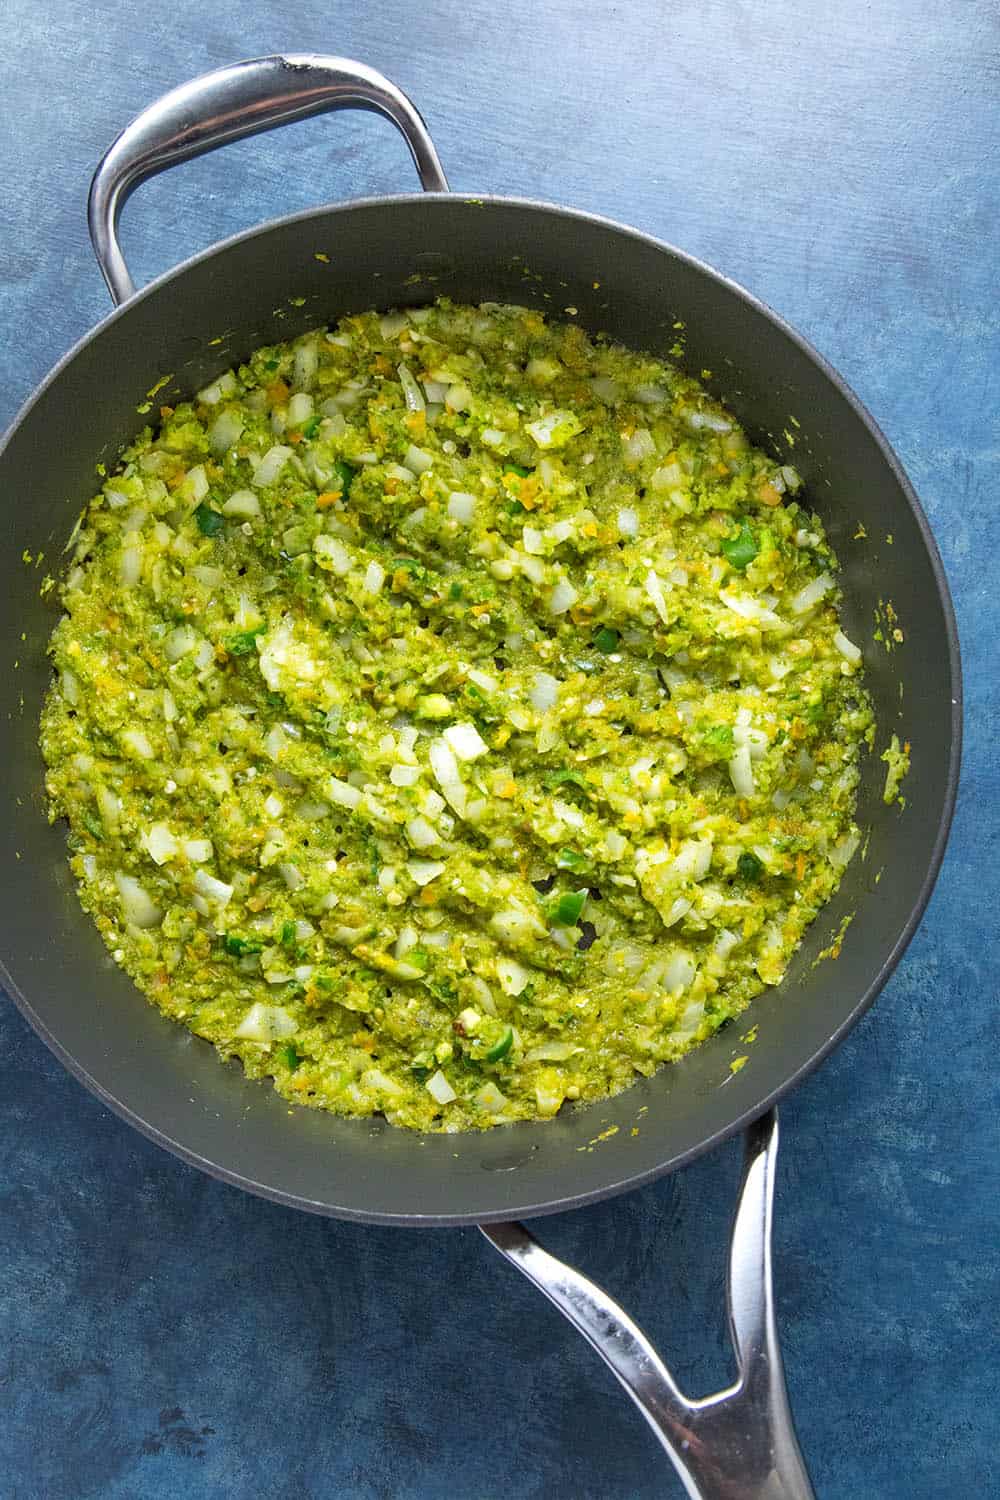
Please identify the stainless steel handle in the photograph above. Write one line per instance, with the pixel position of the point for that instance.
(739, 1444)
(224, 106)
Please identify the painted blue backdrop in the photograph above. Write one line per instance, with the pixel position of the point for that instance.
(162, 1335)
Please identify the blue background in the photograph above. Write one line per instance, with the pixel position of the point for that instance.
(162, 1335)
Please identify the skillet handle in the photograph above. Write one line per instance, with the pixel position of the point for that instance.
(244, 99)
(739, 1444)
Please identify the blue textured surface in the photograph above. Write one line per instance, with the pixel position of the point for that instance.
(162, 1335)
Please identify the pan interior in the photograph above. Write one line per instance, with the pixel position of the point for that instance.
(270, 285)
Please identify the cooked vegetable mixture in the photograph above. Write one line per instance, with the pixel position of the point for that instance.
(452, 716)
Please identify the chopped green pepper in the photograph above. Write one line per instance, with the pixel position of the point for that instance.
(500, 1049)
(345, 472)
(740, 550)
(566, 911)
(606, 639)
(244, 641)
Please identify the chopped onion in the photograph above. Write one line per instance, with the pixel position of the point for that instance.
(445, 768)
(412, 394)
(811, 594)
(306, 362)
(159, 843)
(847, 648)
(336, 554)
(343, 794)
(137, 740)
(404, 775)
(628, 521)
(654, 588)
(741, 772)
(423, 871)
(466, 741)
(513, 976)
(639, 445)
(490, 1098)
(181, 640)
(266, 1023)
(270, 466)
(138, 905)
(749, 609)
(439, 1088)
(215, 891)
(421, 834)
(562, 597)
(291, 875)
(212, 394)
(418, 459)
(224, 432)
(130, 566)
(651, 395)
(300, 409)
(198, 851)
(552, 1052)
(605, 389)
(725, 943)
(374, 578)
(461, 506)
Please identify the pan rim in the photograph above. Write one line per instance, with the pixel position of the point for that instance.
(682, 1158)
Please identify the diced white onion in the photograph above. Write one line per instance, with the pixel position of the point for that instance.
(300, 409)
(439, 1088)
(418, 460)
(181, 640)
(374, 577)
(421, 834)
(741, 772)
(628, 521)
(224, 432)
(445, 769)
(562, 597)
(466, 741)
(639, 445)
(291, 875)
(654, 588)
(847, 648)
(412, 394)
(130, 566)
(215, 891)
(198, 851)
(266, 1023)
(513, 976)
(423, 871)
(461, 506)
(811, 594)
(137, 740)
(270, 466)
(138, 905)
(159, 843)
(343, 794)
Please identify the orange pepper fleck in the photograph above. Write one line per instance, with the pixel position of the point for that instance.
(328, 498)
(277, 392)
(800, 867)
(769, 495)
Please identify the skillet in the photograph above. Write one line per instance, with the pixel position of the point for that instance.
(403, 250)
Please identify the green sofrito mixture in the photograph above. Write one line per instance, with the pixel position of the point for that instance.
(451, 716)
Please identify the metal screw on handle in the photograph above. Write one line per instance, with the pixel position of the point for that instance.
(739, 1444)
(244, 99)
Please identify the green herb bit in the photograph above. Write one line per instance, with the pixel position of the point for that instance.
(607, 639)
(243, 641)
(210, 522)
(238, 946)
(749, 867)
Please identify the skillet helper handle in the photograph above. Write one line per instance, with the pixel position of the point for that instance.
(739, 1444)
(244, 99)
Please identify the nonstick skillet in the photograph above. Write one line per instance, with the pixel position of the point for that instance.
(394, 252)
